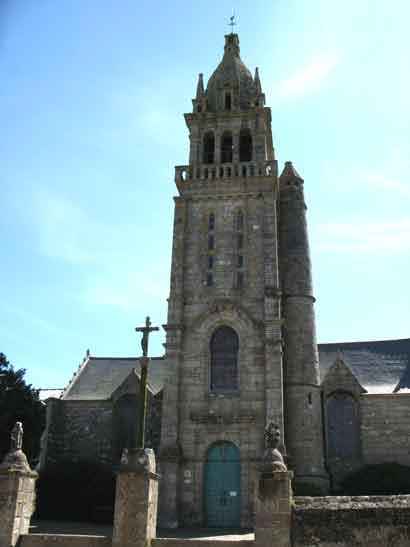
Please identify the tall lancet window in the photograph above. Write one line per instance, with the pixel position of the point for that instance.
(224, 360)
(245, 145)
(208, 148)
(226, 147)
(211, 249)
(240, 263)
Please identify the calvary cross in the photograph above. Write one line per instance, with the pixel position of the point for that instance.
(146, 330)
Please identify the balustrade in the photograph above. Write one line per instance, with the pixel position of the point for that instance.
(224, 170)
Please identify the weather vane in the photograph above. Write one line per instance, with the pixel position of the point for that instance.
(232, 21)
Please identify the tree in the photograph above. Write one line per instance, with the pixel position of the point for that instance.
(19, 402)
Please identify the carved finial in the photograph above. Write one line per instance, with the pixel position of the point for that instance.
(272, 436)
(87, 354)
(273, 459)
(16, 437)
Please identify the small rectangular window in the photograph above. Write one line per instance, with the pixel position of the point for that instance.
(240, 241)
(239, 280)
(239, 262)
(211, 221)
(228, 101)
(209, 279)
(210, 262)
(211, 243)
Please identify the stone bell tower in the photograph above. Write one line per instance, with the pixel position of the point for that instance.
(224, 328)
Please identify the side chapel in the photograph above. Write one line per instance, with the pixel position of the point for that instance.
(241, 348)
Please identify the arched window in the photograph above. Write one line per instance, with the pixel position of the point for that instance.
(224, 360)
(208, 148)
(343, 430)
(245, 145)
(226, 148)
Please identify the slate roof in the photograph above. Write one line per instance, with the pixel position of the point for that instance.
(380, 366)
(98, 377)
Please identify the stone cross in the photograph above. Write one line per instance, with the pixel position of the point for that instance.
(146, 330)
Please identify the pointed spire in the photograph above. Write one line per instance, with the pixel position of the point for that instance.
(258, 85)
(290, 173)
(200, 87)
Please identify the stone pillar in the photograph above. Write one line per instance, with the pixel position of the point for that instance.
(273, 509)
(17, 492)
(136, 500)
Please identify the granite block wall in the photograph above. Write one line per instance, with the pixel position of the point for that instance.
(367, 521)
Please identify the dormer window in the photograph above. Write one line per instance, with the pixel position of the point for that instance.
(228, 101)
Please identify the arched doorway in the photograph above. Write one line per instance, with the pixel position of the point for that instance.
(222, 486)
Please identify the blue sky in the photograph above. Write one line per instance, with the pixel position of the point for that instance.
(91, 103)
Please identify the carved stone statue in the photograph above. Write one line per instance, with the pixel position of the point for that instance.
(15, 457)
(273, 459)
(16, 437)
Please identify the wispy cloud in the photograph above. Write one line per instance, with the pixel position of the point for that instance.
(104, 253)
(310, 77)
(364, 237)
(386, 182)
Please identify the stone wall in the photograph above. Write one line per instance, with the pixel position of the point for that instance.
(85, 430)
(368, 521)
(385, 428)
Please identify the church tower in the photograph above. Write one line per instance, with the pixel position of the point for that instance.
(224, 338)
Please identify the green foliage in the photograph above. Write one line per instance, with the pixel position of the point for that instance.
(19, 402)
(378, 480)
(76, 491)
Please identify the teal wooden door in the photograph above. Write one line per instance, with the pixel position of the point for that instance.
(223, 486)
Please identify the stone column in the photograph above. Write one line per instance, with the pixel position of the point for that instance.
(136, 500)
(17, 492)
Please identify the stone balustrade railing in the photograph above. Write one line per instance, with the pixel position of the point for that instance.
(224, 170)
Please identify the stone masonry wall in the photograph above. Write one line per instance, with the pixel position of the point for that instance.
(84, 430)
(385, 428)
(367, 521)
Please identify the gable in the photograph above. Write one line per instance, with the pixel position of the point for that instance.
(378, 366)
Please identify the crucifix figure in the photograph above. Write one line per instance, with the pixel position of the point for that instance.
(146, 330)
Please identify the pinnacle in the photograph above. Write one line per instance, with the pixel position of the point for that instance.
(290, 173)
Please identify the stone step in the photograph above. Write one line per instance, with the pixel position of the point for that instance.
(63, 540)
(246, 540)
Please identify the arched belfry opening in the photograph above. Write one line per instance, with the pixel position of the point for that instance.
(245, 145)
(224, 360)
(208, 152)
(226, 147)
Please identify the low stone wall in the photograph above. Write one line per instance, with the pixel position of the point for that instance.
(342, 521)
(61, 540)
